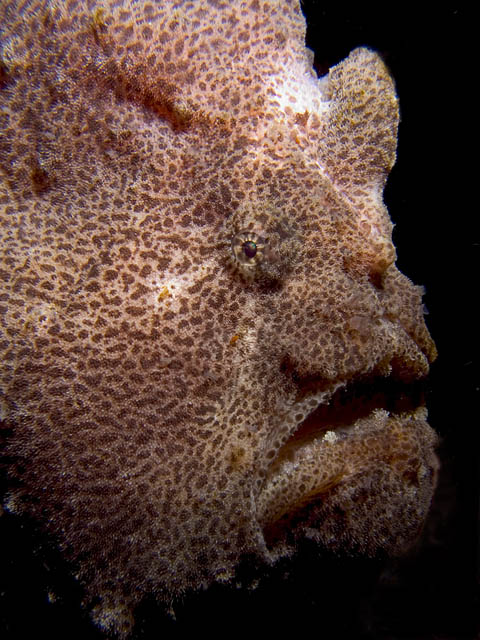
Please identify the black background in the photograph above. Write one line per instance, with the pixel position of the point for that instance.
(432, 593)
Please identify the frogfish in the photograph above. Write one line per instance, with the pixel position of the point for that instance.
(207, 351)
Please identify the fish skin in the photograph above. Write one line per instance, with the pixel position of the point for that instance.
(156, 383)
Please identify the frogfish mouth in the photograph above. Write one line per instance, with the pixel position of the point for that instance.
(362, 458)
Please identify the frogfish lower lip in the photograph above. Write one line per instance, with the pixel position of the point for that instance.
(369, 438)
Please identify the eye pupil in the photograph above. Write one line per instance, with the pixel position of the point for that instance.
(249, 249)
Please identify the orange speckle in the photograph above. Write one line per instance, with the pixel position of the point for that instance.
(164, 293)
(98, 17)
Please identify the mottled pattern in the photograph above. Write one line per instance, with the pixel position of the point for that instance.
(161, 387)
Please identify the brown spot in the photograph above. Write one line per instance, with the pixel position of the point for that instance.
(5, 77)
(302, 118)
(41, 180)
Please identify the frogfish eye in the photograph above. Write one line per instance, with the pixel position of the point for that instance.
(247, 248)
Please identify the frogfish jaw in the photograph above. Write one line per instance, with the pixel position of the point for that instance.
(357, 474)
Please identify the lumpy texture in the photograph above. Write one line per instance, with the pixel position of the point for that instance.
(206, 348)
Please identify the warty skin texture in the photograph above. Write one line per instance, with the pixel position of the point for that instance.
(162, 393)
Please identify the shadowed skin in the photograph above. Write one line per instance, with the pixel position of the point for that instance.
(207, 350)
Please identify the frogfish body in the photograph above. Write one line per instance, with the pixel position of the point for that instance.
(207, 350)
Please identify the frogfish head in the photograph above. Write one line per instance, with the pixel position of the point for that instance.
(207, 349)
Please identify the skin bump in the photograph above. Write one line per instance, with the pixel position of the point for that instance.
(205, 343)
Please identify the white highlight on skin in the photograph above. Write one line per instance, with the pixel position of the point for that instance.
(299, 90)
(170, 288)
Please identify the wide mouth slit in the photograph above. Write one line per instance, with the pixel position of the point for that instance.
(355, 401)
